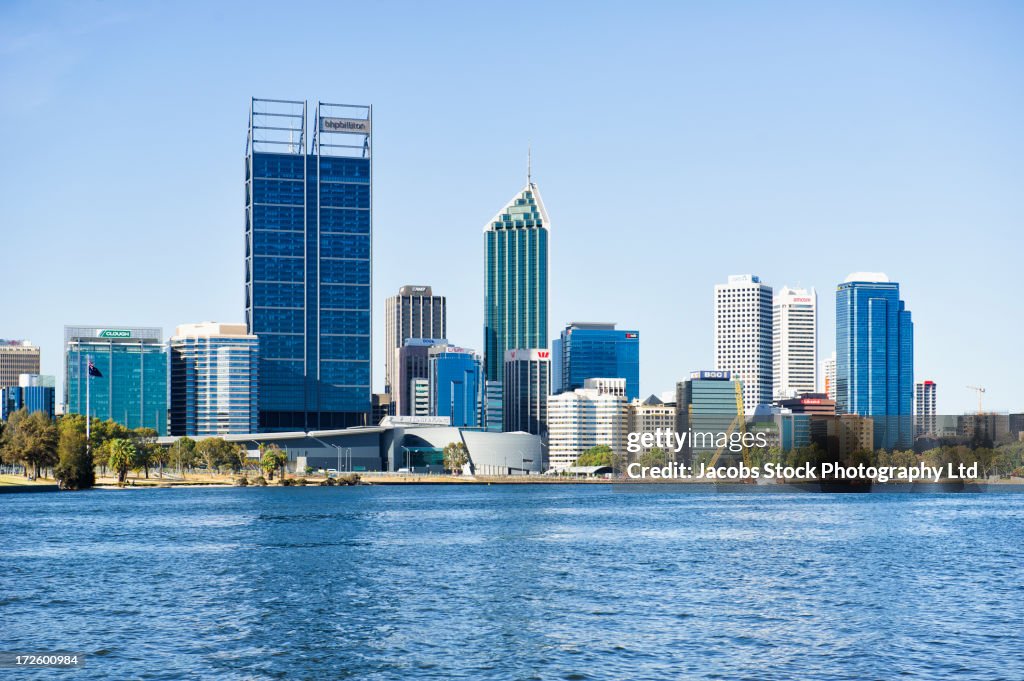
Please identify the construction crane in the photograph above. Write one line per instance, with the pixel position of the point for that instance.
(980, 391)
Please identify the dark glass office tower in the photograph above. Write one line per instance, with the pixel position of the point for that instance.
(308, 231)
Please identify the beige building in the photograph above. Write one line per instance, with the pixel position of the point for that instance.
(584, 418)
(649, 415)
(17, 357)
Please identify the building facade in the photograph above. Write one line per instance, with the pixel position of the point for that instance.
(214, 374)
(828, 373)
(794, 342)
(584, 418)
(128, 383)
(743, 336)
(415, 312)
(525, 391)
(710, 402)
(875, 357)
(308, 234)
(412, 364)
(515, 279)
(651, 415)
(493, 417)
(455, 385)
(17, 357)
(593, 350)
(924, 408)
(33, 393)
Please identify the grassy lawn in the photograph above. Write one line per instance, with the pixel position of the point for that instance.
(19, 480)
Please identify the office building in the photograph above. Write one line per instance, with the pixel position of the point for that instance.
(412, 364)
(214, 380)
(455, 385)
(419, 390)
(515, 279)
(794, 430)
(128, 382)
(794, 342)
(875, 357)
(592, 350)
(17, 357)
(526, 387)
(415, 312)
(308, 232)
(380, 406)
(828, 373)
(583, 418)
(709, 403)
(809, 403)
(493, 418)
(924, 408)
(650, 416)
(33, 393)
(743, 336)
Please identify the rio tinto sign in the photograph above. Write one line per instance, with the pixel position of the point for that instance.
(357, 125)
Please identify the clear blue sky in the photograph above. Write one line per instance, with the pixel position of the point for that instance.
(674, 144)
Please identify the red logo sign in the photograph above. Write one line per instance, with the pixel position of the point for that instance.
(543, 354)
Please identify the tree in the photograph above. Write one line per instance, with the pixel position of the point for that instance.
(31, 439)
(102, 432)
(600, 455)
(146, 448)
(182, 453)
(215, 452)
(120, 457)
(75, 468)
(654, 458)
(455, 456)
(272, 458)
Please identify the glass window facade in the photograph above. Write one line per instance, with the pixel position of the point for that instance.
(598, 351)
(308, 283)
(455, 387)
(875, 359)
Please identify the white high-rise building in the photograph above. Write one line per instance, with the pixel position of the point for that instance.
(794, 342)
(586, 417)
(743, 336)
(925, 420)
(828, 373)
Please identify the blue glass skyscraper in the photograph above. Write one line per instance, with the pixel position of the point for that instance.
(308, 229)
(455, 386)
(875, 357)
(597, 350)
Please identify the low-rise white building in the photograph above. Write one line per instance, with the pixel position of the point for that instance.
(584, 418)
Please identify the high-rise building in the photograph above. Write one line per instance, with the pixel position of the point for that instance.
(419, 391)
(308, 233)
(33, 393)
(743, 336)
(214, 380)
(924, 408)
(584, 418)
(455, 385)
(710, 402)
(828, 373)
(794, 342)
(526, 388)
(809, 403)
(875, 357)
(380, 406)
(17, 357)
(415, 312)
(515, 279)
(595, 349)
(412, 364)
(128, 380)
(493, 418)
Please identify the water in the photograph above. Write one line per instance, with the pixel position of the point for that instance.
(520, 582)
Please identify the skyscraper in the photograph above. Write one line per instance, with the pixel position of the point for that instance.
(875, 357)
(455, 385)
(128, 382)
(597, 350)
(412, 365)
(515, 279)
(743, 336)
(526, 388)
(308, 231)
(924, 408)
(828, 373)
(794, 342)
(17, 357)
(709, 402)
(415, 312)
(214, 380)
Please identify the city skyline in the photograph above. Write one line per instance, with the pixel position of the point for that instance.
(911, 186)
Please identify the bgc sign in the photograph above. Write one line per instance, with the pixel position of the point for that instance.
(710, 375)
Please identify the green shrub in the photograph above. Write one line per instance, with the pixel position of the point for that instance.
(242, 482)
(260, 481)
(300, 482)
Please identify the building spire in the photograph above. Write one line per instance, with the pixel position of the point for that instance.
(529, 165)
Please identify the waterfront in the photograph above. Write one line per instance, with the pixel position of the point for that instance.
(510, 582)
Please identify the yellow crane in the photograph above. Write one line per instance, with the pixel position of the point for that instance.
(980, 391)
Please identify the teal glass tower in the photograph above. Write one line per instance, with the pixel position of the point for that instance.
(516, 279)
(875, 357)
(129, 383)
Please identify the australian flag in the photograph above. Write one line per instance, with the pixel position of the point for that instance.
(93, 371)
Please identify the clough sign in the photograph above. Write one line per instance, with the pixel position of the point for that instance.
(358, 125)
